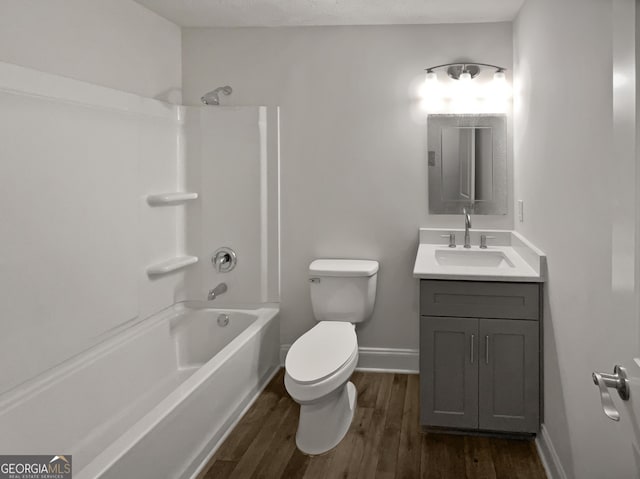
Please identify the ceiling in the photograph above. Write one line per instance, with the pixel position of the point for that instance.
(272, 13)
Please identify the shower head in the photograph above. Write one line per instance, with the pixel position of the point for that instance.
(211, 98)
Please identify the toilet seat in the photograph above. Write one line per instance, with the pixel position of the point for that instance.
(310, 393)
(321, 352)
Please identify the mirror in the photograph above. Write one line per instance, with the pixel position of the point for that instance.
(467, 164)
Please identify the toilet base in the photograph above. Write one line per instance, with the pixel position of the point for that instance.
(324, 424)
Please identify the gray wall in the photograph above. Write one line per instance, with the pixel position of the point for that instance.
(574, 186)
(353, 169)
(116, 43)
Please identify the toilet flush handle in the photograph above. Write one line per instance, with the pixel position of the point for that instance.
(314, 280)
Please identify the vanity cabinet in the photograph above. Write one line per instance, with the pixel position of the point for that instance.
(480, 355)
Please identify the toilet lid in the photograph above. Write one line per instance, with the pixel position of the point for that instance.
(321, 351)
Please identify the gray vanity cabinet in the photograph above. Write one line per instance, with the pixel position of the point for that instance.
(508, 381)
(448, 361)
(478, 371)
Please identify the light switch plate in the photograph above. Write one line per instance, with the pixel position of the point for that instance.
(521, 211)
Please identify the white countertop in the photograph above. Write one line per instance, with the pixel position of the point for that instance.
(524, 262)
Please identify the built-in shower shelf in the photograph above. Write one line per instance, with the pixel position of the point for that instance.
(170, 265)
(167, 199)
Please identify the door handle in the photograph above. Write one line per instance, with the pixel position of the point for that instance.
(617, 380)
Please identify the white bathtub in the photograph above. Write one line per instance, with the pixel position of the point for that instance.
(153, 402)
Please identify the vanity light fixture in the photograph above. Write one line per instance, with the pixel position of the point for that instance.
(462, 95)
(465, 71)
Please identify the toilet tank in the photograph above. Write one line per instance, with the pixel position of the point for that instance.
(343, 289)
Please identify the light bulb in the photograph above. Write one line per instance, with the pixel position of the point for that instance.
(499, 76)
(465, 88)
(499, 85)
(430, 85)
(464, 94)
(498, 93)
(431, 93)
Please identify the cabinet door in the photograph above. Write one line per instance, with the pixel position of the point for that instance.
(449, 372)
(509, 375)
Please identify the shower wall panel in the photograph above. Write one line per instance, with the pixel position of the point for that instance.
(77, 162)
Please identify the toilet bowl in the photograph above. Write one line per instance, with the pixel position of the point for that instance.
(317, 377)
(319, 363)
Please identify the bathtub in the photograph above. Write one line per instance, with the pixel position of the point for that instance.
(153, 402)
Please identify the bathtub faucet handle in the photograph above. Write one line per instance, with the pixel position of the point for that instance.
(221, 260)
(224, 259)
(217, 291)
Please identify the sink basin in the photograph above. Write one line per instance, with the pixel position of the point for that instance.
(472, 258)
(510, 257)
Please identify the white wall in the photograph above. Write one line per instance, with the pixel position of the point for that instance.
(353, 142)
(233, 163)
(114, 43)
(78, 161)
(570, 178)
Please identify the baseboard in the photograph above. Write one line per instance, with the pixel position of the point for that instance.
(207, 453)
(549, 456)
(387, 360)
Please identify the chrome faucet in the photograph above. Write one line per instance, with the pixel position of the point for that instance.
(217, 291)
(467, 226)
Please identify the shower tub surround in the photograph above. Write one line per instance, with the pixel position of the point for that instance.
(154, 401)
(108, 363)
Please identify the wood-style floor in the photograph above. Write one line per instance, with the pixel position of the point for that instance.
(385, 441)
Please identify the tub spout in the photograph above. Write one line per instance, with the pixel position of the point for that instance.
(217, 291)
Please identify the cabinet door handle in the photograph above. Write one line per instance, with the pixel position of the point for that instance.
(473, 339)
(486, 349)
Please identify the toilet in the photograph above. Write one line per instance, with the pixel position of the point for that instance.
(319, 364)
